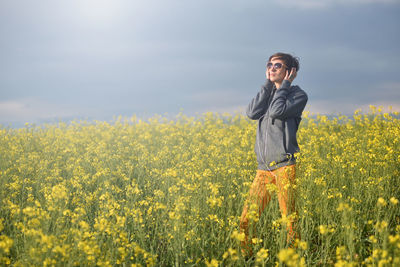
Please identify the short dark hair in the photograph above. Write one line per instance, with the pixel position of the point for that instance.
(290, 61)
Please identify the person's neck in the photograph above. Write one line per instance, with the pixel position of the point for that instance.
(278, 84)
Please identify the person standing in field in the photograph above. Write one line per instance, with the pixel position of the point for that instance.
(278, 108)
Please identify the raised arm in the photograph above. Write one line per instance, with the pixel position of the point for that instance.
(259, 104)
(288, 102)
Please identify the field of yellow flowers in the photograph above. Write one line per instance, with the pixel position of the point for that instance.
(169, 192)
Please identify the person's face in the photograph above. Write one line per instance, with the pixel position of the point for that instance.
(276, 70)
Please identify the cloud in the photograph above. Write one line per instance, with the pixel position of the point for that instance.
(104, 58)
(33, 111)
(347, 107)
(319, 4)
(392, 86)
(386, 91)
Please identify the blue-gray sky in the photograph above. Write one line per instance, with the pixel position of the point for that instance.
(97, 59)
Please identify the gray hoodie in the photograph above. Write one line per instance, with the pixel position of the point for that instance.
(279, 114)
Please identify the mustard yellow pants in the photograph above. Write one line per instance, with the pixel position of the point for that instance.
(265, 183)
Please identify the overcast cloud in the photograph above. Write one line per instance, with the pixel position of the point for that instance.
(97, 59)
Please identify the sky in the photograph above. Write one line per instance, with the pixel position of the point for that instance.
(100, 59)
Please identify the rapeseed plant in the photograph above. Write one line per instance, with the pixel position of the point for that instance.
(170, 192)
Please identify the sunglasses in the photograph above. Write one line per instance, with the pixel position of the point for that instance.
(276, 66)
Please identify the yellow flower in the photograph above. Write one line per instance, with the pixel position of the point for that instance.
(238, 236)
(373, 239)
(301, 244)
(256, 240)
(343, 207)
(381, 202)
(394, 239)
(5, 244)
(290, 258)
(381, 226)
(232, 253)
(262, 254)
(323, 229)
(213, 263)
(394, 200)
(82, 193)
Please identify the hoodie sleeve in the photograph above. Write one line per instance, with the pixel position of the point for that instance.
(259, 104)
(287, 103)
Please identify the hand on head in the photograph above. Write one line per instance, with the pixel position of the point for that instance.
(291, 75)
